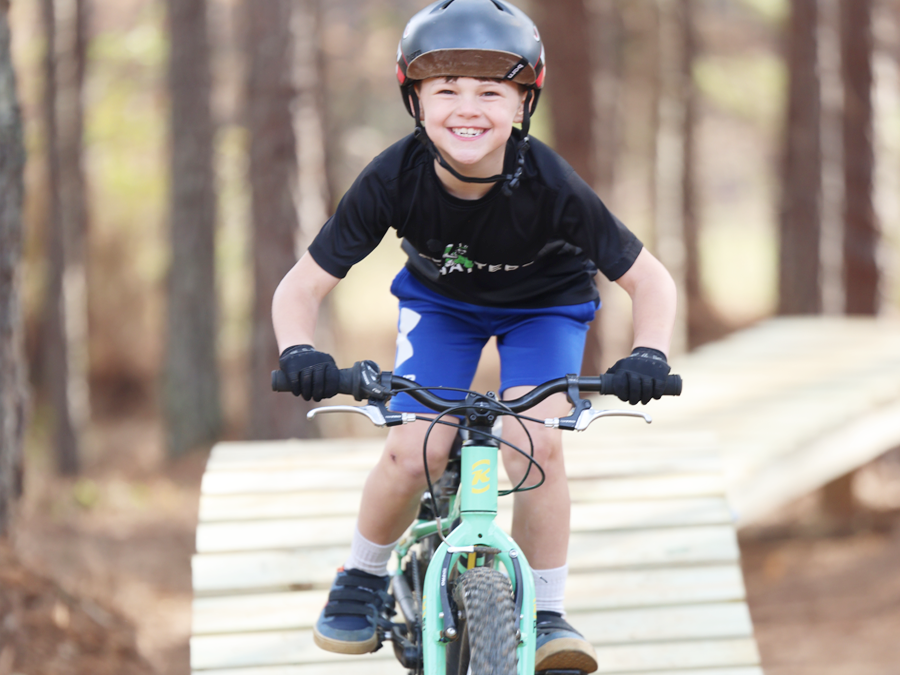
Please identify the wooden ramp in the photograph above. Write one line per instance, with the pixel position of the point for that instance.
(767, 415)
(794, 403)
(655, 582)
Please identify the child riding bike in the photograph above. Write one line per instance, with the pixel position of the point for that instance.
(503, 240)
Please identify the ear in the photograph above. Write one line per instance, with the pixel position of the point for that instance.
(520, 113)
(415, 92)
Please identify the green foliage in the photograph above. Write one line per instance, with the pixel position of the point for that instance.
(774, 10)
(748, 86)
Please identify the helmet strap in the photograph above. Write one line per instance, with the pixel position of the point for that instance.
(511, 181)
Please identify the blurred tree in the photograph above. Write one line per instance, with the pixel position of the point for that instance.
(566, 32)
(800, 227)
(704, 322)
(861, 236)
(270, 95)
(65, 322)
(191, 383)
(673, 158)
(12, 381)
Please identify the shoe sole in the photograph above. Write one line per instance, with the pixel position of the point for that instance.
(566, 654)
(344, 647)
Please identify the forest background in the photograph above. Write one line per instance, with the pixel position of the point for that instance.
(181, 154)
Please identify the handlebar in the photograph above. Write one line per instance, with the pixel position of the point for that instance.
(365, 380)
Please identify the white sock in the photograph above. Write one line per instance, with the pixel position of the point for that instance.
(368, 557)
(550, 589)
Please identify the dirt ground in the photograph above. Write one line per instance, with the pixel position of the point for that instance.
(99, 578)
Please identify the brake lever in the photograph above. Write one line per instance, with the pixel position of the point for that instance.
(376, 411)
(584, 418)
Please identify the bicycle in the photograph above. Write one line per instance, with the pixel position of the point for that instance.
(474, 610)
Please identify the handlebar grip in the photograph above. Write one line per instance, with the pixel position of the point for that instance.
(359, 381)
(280, 381)
(673, 384)
(345, 386)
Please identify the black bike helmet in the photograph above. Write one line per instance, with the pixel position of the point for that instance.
(472, 38)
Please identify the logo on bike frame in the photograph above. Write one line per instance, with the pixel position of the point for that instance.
(481, 476)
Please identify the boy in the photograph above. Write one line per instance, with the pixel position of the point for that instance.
(504, 240)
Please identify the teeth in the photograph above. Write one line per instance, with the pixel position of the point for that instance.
(468, 132)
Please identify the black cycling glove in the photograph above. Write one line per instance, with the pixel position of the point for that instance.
(641, 376)
(312, 374)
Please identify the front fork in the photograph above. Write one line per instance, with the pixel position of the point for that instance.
(476, 538)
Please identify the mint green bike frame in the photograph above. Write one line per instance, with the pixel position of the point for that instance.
(476, 506)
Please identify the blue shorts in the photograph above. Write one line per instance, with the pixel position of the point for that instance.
(439, 341)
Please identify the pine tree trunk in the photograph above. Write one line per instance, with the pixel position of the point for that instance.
(800, 231)
(861, 236)
(191, 388)
(270, 95)
(12, 381)
(671, 148)
(57, 372)
(606, 32)
(565, 30)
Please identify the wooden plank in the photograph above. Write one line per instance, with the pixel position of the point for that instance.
(222, 537)
(640, 443)
(262, 612)
(660, 624)
(601, 590)
(808, 467)
(639, 548)
(739, 670)
(294, 647)
(624, 589)
(307, 504)
(256, 570)
(316, 503)
(677, 656)
(588, 552)
(351, 665)
(274, 534)
(267, 649)
(271, 480)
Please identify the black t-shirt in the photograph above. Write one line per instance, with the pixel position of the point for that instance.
(539, 247)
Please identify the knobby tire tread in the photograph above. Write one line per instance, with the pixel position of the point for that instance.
(485, 597)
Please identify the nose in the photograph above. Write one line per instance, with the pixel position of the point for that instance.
(468, 106)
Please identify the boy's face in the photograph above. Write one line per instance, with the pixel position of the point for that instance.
(470, 120)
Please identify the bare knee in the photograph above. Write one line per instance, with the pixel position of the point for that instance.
(546, 449)
(403, 456)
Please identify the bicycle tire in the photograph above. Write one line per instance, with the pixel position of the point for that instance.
(490, 633)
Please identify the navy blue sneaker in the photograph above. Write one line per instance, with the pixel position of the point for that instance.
(561, 647)
(350, 620)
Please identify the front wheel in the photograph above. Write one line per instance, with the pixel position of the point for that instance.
(490, 625)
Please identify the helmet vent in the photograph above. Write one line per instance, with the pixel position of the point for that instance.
(446, 5)
(498, 6)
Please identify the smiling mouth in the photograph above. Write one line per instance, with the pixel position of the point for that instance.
(468, 132)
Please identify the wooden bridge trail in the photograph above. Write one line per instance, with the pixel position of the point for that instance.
(767, 415)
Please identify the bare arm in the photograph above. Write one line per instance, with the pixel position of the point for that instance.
(295, 305)
(653, 301)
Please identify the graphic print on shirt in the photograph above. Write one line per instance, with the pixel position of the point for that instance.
(408, 320)
(456, 259)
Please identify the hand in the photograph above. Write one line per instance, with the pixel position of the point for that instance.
(312, 374)
(641, 376)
